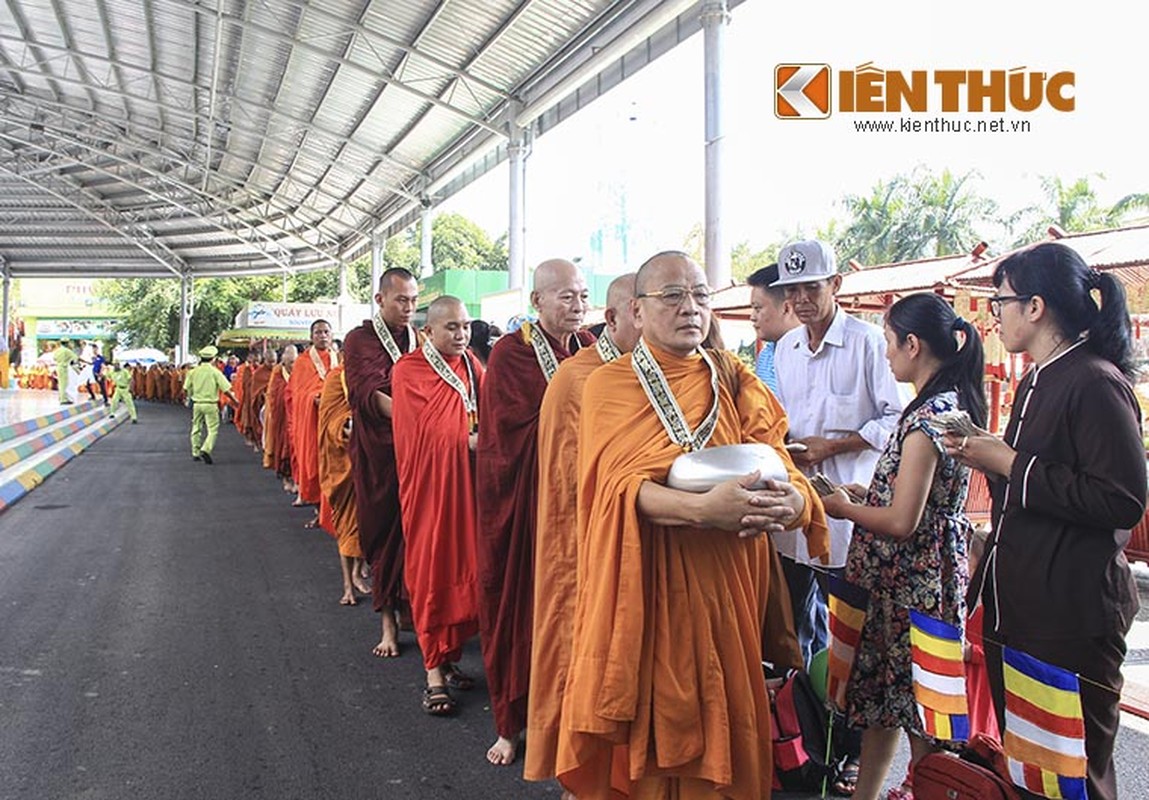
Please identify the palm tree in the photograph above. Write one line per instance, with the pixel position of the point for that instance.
(915, 216)
(1073, 206)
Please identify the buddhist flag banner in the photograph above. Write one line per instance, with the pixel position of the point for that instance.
(1044, 736)
(939, 677)
(847, 606)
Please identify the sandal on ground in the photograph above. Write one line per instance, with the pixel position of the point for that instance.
(437, 701)
(847, 780)
(456, 678)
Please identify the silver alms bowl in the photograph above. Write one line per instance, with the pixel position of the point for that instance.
(704, 469)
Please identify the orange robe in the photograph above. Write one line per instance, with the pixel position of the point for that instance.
(555, 559)
(337, 498)
(258, 394)
(507, 483)
(306, 385)
(664, 694)
(239, 389)
(273, 419)
(437, 501)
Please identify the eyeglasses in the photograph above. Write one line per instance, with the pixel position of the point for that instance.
(675, 296)
(997, 300)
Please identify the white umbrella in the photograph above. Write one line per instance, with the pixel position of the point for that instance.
(142, 355)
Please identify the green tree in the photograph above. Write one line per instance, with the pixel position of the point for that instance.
(459, 243)
(919, 215)
(1073, 207)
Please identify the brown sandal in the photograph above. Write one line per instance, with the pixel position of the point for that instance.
(437, 701)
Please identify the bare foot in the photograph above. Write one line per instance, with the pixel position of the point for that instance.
(360, 586)
(388, 646)
(348, 598)
(502, 752)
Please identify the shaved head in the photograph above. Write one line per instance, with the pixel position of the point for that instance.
(644, 278)
(554, 272)
(560, 296)
(619, 314)
(448, 325)
(442, 307)
(394, 275)
(621, 291)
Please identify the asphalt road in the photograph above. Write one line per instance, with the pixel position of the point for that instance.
(169, 630)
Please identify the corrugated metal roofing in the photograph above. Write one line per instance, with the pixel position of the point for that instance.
(153, 137)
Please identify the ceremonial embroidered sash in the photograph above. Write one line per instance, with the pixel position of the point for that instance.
(318, 362)
(444, 371)
(388, 341)
(666, 406)
(544, 354)
(607, 350)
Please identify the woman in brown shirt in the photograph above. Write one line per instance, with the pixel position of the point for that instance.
(1068, 484)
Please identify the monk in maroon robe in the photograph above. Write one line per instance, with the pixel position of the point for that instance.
(281, 460)
(259, 383)
(518, 371)
(369, 353)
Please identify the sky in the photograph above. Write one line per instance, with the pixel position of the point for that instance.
(640, 147)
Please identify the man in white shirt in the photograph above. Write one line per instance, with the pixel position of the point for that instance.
(841, 399)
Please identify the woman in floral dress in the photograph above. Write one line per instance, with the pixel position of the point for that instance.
(910, 534)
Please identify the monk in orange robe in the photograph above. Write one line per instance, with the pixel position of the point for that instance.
(435, 421)
(556, 531)
(520, 367)
(371, 352)
(277, 441)
(306, 385)
(337, 491)
(259, 382)
(664, 694)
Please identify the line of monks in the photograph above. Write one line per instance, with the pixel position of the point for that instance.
(162, 383)
(622, 623)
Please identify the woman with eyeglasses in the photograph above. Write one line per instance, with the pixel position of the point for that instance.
(1068, 484)
(910, 530)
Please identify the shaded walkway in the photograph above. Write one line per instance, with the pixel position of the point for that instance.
(168, 629)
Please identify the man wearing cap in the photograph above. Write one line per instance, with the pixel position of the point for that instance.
(202, 387)
(842, 401)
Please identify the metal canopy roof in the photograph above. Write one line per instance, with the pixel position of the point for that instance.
(177, 137)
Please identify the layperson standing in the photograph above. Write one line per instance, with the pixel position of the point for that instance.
(841, 398)
(1068, 484)
(370, 353)
(520, 367)
(556, 531)
(337, 512)
(435, 405)
(665, 696)
(306, 386)
(63, 356)
(203, 386)
(122, 383)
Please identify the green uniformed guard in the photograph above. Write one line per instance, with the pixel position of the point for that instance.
(122, 380)
(64, 356)
(202, 387)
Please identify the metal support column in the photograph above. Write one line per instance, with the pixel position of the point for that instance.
(715, 18)
(7, 278)
(426, 233)
(378, 243)
(186, 306)
(517, 151)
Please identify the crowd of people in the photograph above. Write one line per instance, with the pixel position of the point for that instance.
(515, 488)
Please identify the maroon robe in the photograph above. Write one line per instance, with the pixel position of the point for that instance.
(367, 369)
(507, 491)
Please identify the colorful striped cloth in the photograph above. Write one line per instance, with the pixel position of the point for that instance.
(1044, 736)
(939, 677)
(847, 606)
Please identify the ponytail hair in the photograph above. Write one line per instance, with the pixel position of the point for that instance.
(953, 341)
(1060, 277)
